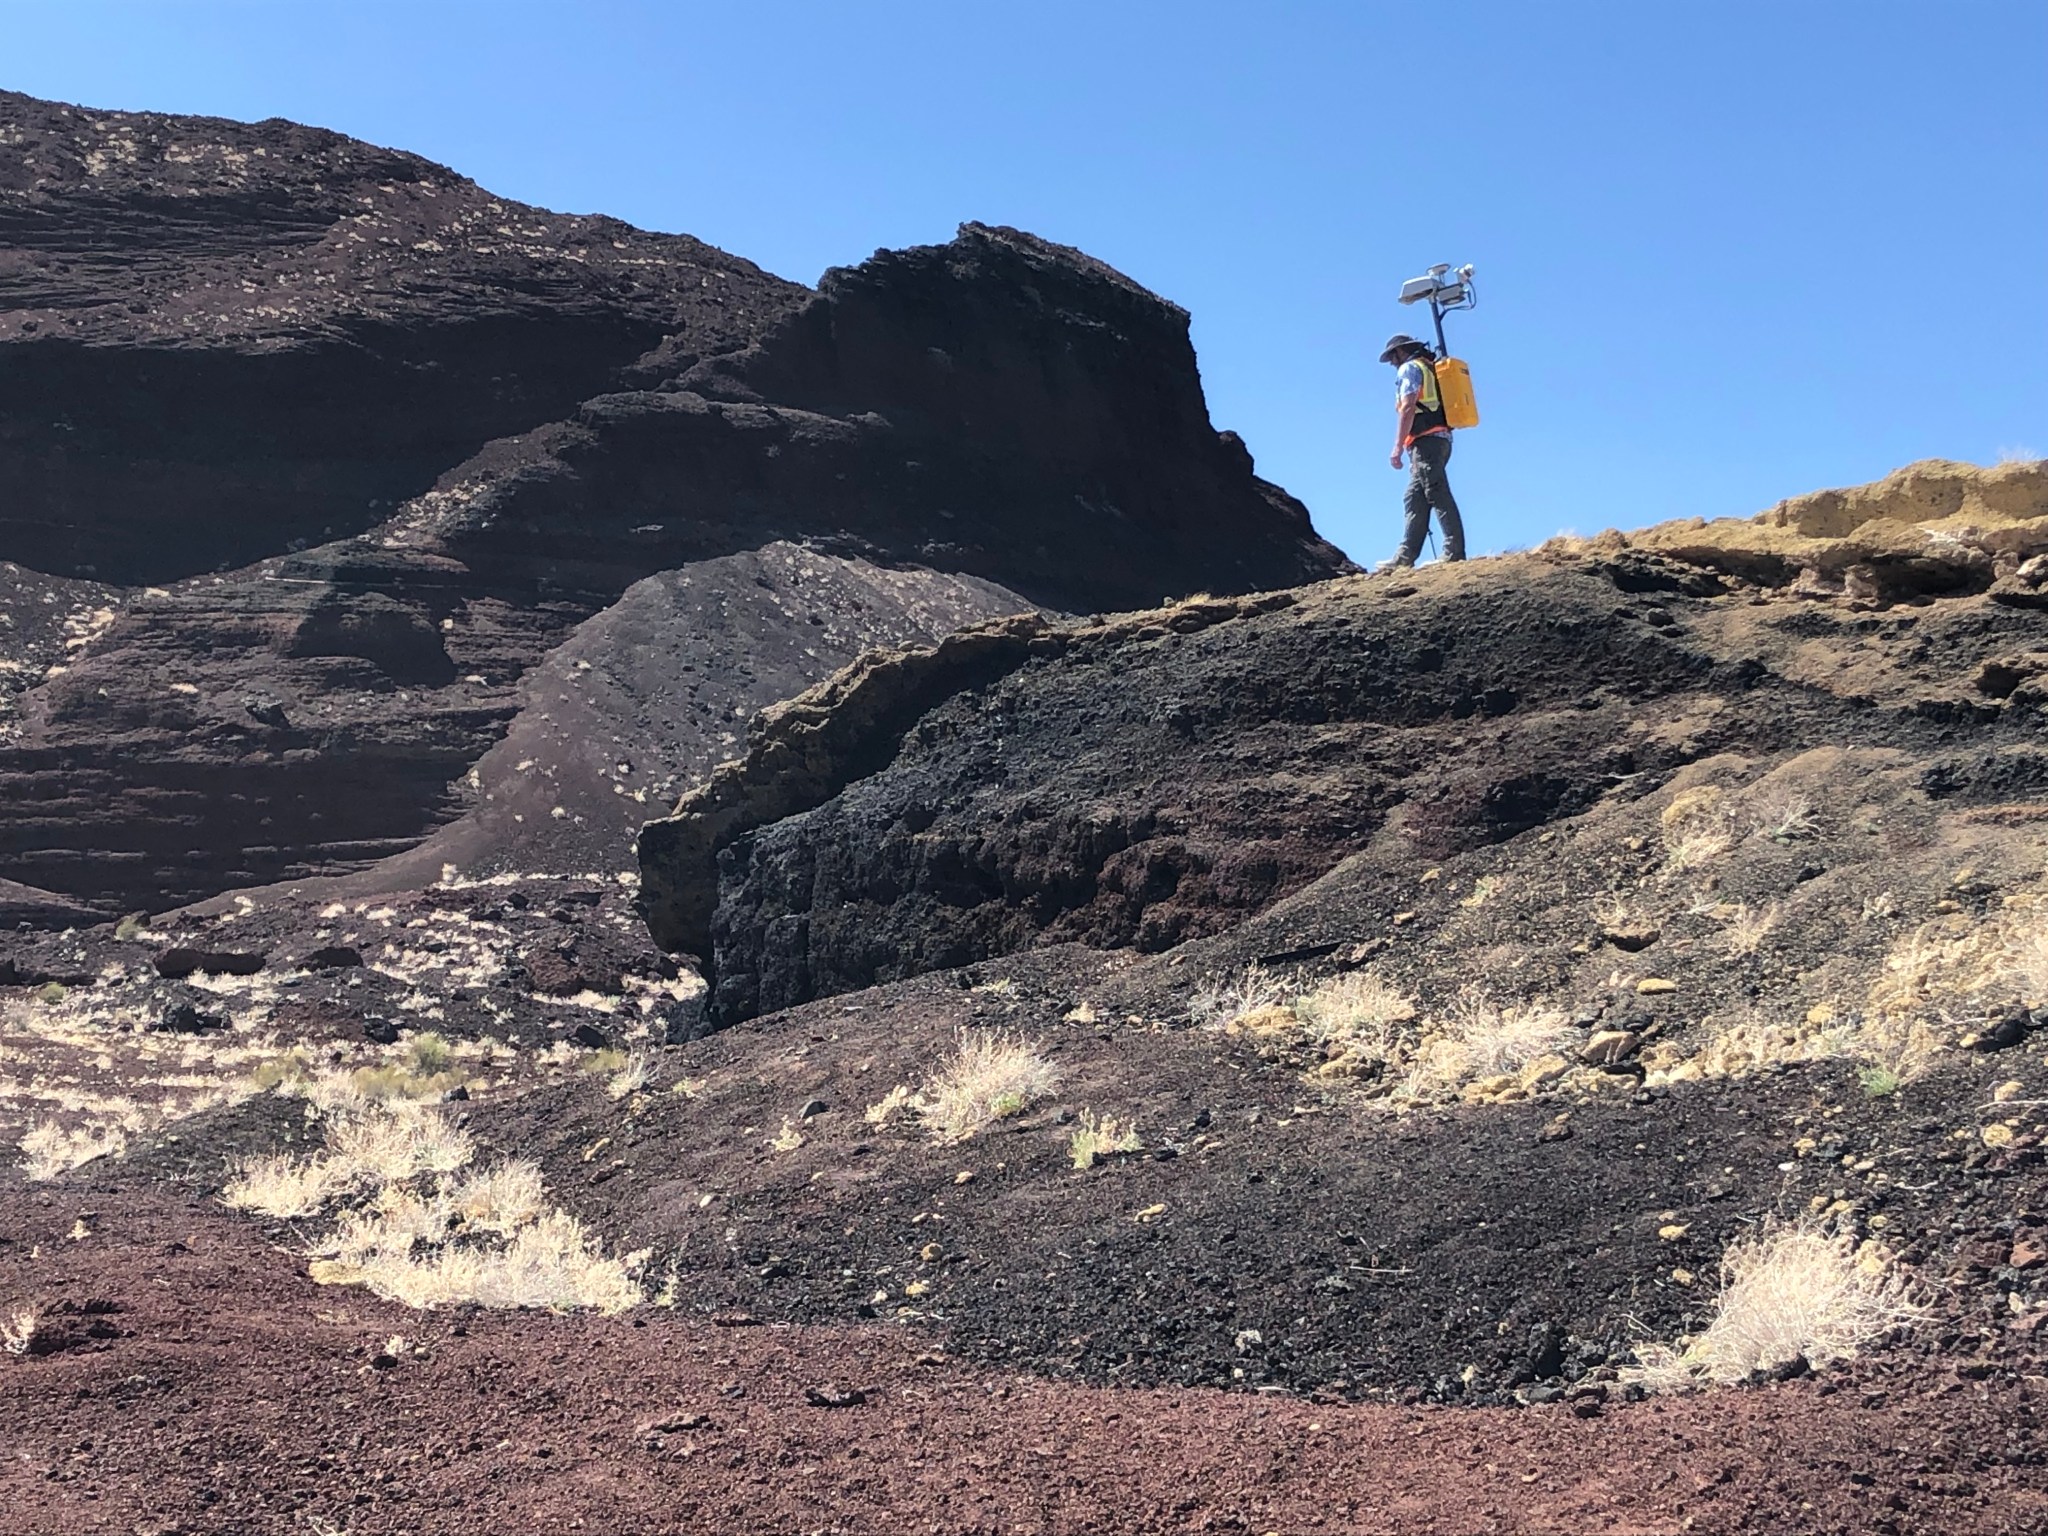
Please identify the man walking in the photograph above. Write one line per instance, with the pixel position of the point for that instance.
(1420, 431)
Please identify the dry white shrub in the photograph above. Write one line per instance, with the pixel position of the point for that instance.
(1095, 1139)
(549, 1263)
(48, 1149)
(1696, 844)
(399, 1142)
(632, 1077)
(1747, 928)
(1356, 1006)
(1752, 1043)
(426, 1237)
(285, 1186)
(992, 1076)
(18, 1325)
(1218, 1002)
(896, 1101)
(1904, 1050)
(2026, 963)
(1696, 829)
(500, 1198)
(1805, 1290)
(1786, 817)
(1481, 1039)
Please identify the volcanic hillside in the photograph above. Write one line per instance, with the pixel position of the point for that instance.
(329, 472)
(1402, 990)
(1119, 1021)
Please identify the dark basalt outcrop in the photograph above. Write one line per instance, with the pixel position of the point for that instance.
(243, 340)
(1165, 777)
(217, 338)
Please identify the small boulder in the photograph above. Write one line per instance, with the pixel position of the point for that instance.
(1609, 1046)
(834, 1397)
(187, 1019)
(1544, 1071)
(334, 957)
(685, 1020)
(1631, 937)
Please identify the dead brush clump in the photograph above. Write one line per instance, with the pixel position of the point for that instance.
(1747, 927)
(1892, 1051)
(1482, 1048)
(286, 1187)
(49, 1149)
(406, 1255)
(632, 1077)
(1253, 991)
(19, 1325)
(1093, 1140)
(1357, 1005)
(1750, 1043)
(1696, 829)
(1806, 1290)
(1359, 1022)
(993, 1076)
(1962, 959)
(1785, 817)
(418, 1229)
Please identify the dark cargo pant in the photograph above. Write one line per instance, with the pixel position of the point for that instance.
(1427, 488)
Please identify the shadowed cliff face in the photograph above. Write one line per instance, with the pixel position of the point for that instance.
(219, 338)
(436, 434)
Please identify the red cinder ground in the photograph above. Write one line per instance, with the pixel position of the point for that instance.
(225, 1392)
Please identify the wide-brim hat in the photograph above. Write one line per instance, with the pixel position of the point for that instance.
(1394, 344)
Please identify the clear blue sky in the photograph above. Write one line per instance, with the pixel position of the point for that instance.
(1728, 251)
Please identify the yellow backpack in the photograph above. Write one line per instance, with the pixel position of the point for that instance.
(1454, 388)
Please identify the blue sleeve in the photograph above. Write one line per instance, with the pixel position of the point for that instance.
(1408, 382)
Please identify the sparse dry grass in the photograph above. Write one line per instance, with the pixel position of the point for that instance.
(992, 1076)
(1805, 1290)
(285, 1186)
(18, 1325)
(49, 1149)
(1219, 1002)
(632, 1077)
(399, 1143)
(550, 1263)
(1095, 1139)
(1480, 1040)
(1748, 927)
(1357, 1005)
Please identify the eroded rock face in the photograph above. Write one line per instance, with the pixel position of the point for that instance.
(1167, 777)
(292, 332)
(217, 338)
